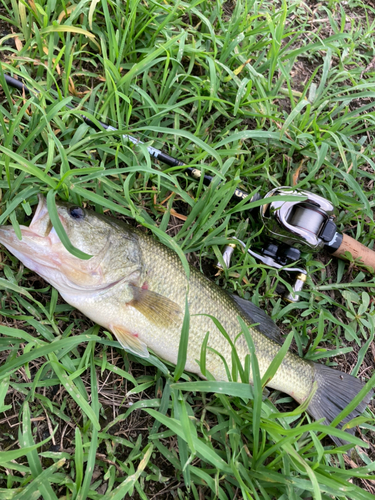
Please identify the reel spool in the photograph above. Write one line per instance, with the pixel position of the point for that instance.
(304, 217)
(307, 224)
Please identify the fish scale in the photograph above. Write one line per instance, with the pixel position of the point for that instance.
(204, 296)
(136, 288)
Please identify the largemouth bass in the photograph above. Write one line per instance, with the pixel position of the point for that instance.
(136, 288)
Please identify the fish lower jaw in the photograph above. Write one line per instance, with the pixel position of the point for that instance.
(48, 272)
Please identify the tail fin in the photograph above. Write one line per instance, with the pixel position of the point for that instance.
(335, 391)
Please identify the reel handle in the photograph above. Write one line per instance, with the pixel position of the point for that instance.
(357, 250)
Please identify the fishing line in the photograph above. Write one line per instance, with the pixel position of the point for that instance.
(305, 218)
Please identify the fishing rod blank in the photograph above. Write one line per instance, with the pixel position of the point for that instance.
(154, 152)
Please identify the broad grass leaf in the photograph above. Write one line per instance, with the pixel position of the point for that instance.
(61, 233)
(34, 488)
(235, 389)
(184, 342)
(201, 448)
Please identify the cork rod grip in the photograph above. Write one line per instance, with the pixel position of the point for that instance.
(358, 251)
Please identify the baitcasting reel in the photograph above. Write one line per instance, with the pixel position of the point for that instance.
(295, 226)
(308, 224)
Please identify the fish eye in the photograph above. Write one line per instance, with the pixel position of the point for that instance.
(77, 213)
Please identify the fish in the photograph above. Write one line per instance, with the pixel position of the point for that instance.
(137, 288)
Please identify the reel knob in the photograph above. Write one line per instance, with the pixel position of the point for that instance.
(227, 256)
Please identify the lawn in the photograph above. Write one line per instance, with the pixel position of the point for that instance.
(255, 94)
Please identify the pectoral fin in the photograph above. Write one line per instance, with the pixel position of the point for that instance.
(130, 342)
(158, 309)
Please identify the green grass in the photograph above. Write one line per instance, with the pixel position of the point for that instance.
(246, 91)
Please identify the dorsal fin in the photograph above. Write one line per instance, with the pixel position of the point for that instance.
(256, 315)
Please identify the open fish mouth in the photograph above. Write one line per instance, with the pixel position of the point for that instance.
(40, 224)
(41, 209)
(42, 251)
(34, 248)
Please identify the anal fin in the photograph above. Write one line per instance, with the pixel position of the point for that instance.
(130, 342)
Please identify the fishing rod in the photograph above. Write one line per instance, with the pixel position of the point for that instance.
(291, 226)
(154, 152)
